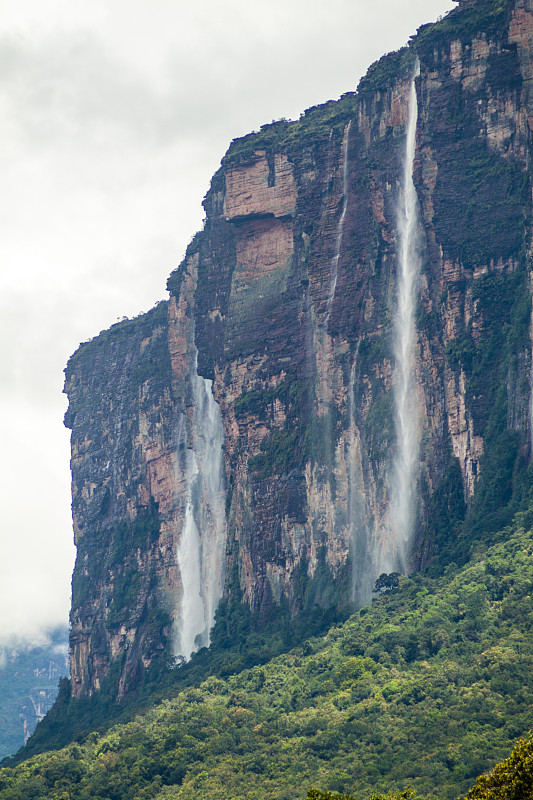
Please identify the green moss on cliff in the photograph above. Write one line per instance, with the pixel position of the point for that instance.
(464, 23)
(503, 72)
(283, 448)
(315, 124)
(260, 402)
(384, 73)
(444, 518)
(280, 452)
(121, 331)
(481, 201)
(502, 305)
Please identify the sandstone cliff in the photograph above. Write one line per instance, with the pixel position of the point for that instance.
(285, 302)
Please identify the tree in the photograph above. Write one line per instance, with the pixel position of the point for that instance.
(387, 583)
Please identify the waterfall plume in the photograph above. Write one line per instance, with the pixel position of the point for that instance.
(201, 550)
(340, 224)
(362, 568)
(192, 623)
(406, 462)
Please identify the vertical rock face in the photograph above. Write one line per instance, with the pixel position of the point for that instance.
(303, 375)
(125, 484)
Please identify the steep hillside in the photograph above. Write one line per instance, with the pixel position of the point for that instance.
(427, 688)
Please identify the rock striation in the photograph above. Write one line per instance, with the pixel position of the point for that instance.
(303, 375)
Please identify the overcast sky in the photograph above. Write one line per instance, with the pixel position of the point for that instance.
(114, 114)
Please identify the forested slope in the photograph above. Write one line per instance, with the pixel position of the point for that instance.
(425, 689)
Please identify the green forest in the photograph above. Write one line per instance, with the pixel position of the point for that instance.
(423, 691)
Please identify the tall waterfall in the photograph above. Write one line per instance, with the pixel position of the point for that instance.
(405, 470)
(340, 224)
(201, 550)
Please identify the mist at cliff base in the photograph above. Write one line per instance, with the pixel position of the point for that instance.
(113, 118)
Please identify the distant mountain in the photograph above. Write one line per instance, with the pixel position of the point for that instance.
(29, 677)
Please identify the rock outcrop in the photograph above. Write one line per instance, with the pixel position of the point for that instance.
(285, 301)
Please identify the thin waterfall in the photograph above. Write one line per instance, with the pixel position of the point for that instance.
(201, 550)
(362, 572)
(340, 224)
(325, 388)
(406, 463)
(192, 623)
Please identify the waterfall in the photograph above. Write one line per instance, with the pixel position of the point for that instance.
(340, 224)
(362, 568)
(405, 468)
(202, 546)
(192, 623)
